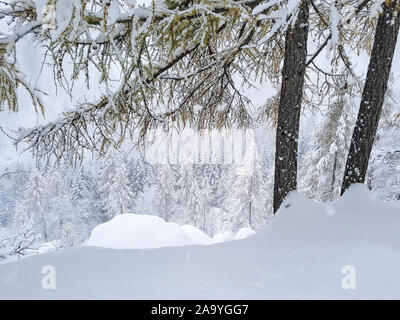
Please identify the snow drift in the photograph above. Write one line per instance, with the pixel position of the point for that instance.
(137, 231)
(300, 255)
(133, 231)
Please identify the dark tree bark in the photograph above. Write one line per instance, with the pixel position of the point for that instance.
(287, 132)
(373, 94)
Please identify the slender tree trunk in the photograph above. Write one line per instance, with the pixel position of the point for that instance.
(373, 94)
(250, 214)
(44, 226)
(332, 195)
(287, 132)
(250, 203)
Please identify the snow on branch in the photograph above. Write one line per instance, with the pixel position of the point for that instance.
(174, 56)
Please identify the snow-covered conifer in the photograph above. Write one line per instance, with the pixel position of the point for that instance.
(119, 196)
(165, 192)
(32, 212)
(325, 164)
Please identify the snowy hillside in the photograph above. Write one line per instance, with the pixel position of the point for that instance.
(301, 254)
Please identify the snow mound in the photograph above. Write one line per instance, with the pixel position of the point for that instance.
(222, 237)
(137, 231)
(134, 231)
(244, 233)
(305, 252)
(196, 234)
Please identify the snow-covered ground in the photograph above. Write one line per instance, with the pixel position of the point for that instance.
(301, 254)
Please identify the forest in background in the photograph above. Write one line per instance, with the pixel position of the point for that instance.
(155, 70)
(64, 204)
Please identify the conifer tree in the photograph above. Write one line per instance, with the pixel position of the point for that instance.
(119, 195)
(332, 141)
(165, 192)
(32, 212)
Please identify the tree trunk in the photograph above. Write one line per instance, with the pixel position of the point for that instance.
(289, 106)
(373, 95)
(250, 214)
(332, 195)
